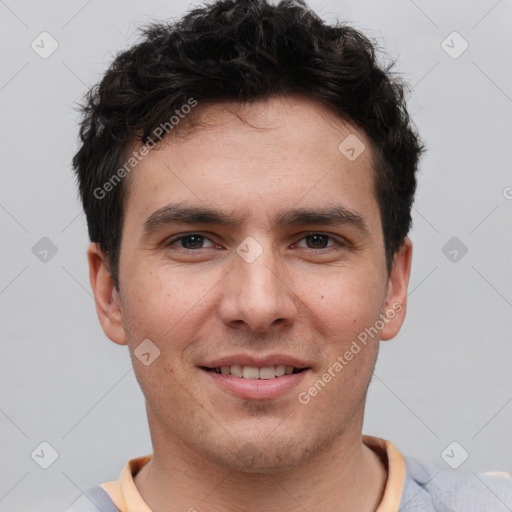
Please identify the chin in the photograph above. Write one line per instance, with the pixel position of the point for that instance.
(263, 455)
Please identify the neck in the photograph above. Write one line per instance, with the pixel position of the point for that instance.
(346, 476)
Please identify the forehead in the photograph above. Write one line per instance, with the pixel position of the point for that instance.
(257, 156)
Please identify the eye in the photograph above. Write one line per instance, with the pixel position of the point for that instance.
(190, 241)
(319, 241)
(196, 241)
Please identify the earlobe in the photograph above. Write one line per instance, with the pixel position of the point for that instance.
(108, 305)
(396, 300)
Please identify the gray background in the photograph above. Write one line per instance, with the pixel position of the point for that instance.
(446, 377)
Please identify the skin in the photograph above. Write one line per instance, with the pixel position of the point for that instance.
(214, 451)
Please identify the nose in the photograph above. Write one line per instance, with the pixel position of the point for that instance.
(257, 295)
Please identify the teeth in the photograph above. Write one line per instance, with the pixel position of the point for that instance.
(253, 372)
(266, 373)
(281, 370)
(236, 370)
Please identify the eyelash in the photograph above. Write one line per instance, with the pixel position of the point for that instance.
(341, 244)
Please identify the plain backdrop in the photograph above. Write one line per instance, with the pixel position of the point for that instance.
(446, 378)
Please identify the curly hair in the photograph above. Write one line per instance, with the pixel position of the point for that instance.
(244, 50)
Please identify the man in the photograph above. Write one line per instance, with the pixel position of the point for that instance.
(247, 175)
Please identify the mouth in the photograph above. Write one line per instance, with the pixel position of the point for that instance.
(255, 372)
(256, 382)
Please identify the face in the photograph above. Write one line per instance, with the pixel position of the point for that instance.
(253, 243)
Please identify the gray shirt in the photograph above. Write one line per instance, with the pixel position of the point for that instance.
(426, 489)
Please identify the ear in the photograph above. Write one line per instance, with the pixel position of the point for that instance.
(396, 299)
(108, 304)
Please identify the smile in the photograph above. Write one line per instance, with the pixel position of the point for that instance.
(255, 383)
(254, 372)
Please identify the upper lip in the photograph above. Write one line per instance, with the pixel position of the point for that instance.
(260, 362)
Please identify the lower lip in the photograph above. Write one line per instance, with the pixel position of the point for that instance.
(256, 389)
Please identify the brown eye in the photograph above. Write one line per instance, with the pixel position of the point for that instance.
(318, 241)
(190, 241)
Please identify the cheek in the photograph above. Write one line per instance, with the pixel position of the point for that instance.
(152, 305)
(167, 305)
(344, 304)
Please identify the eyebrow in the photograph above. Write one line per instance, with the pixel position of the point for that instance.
(176, 213)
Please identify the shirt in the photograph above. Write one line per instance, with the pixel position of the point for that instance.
(127, 498)
(411, 486)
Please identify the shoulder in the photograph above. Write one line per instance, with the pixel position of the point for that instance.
(94, 499)
(430, 488)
